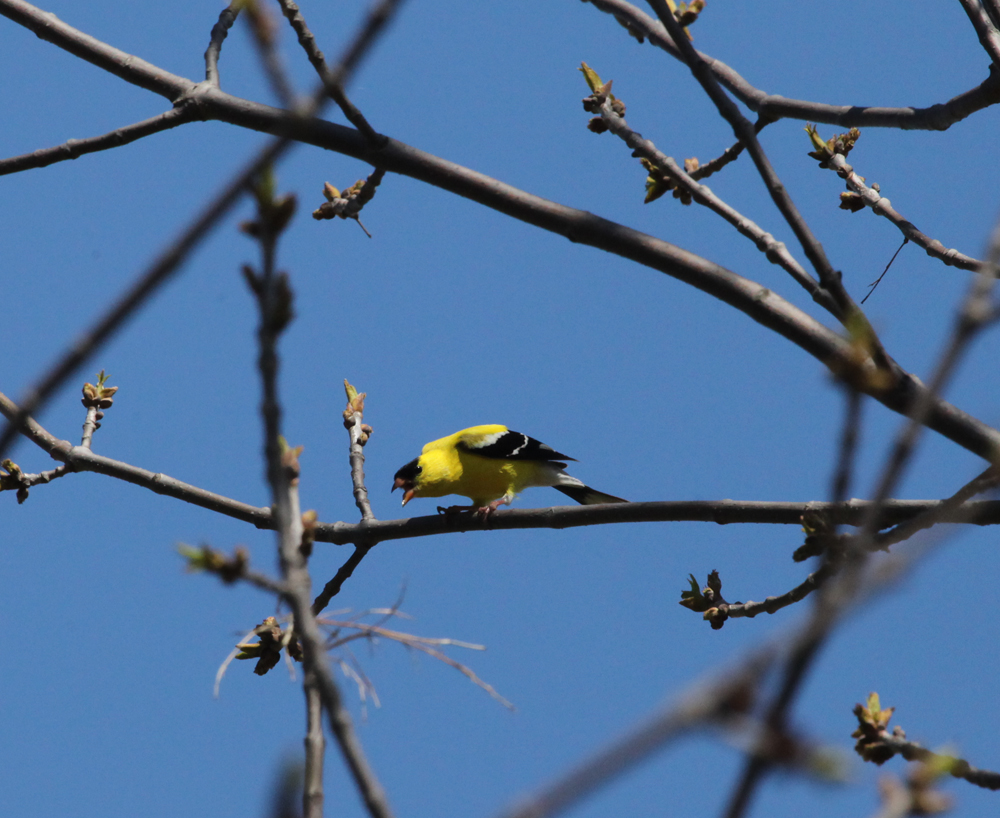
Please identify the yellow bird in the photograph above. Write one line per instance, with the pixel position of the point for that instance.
(490, 465)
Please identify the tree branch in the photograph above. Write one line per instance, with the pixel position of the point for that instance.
(333, 86)
(132, 69)
(881, 206)
(775, 251)
(722, 512)
(938, 117)
(75, 148)
(986, 29)
(219, 33)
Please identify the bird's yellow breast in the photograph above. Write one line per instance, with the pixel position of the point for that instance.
(447, 470)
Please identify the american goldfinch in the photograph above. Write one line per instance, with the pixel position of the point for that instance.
(490, 465)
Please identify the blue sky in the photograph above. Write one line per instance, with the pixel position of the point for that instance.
(454, 315)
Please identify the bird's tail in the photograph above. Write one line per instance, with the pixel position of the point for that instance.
(586, 496)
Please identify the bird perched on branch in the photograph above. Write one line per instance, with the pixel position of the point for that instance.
(490, 465)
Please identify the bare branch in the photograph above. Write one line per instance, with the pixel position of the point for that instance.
(938, 117)
(333, 85)
(986, 29)
(75, 148)
(722, 512)
(219, 33)
(775, 250)
(315, 742)
(707, 702)
(332, 588)
(880, 205)
(46, 26)
(80, 458)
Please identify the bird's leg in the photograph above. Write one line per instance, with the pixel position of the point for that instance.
(487, 511)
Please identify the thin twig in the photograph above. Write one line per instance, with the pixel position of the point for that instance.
(730, 154)
(219, 33)
(957, 767)
(332, 588)
(75, 148)
(775, 250)
(424, 644)
(878, 280)
(986, 29)
(333, 86)
(881, 206)
(359, 433)
(773, 604)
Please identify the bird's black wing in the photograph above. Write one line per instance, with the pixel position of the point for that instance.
(511, 445)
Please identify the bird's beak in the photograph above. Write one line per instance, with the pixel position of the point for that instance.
(406, 485)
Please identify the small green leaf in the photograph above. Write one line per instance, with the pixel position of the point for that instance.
(590, 75)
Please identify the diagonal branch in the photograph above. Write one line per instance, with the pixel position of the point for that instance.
(219, 33)
(709, 702)
(775, 250)
(986, 29)
(75, 148)
(881, 206)
(334, 88)
(132, 69)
